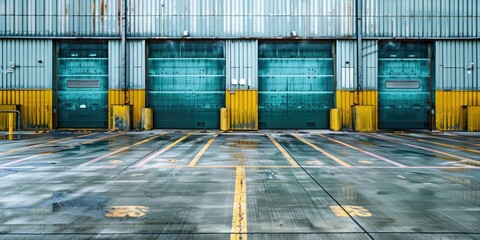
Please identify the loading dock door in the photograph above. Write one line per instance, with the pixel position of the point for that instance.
(186, 84)
(404, 85)
(82, 85)
(295, 85)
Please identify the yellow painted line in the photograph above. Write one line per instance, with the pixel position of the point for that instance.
(161, 151)
(20, 160)
(437, 143)
(311, 166)
(283, 151)
(43, 144)
(322, 151)
(463, 159)
(100, 139)
(202, 151)
(239, 218)
(120, 150)
(217, 166)
(363, 151)
(446, 137)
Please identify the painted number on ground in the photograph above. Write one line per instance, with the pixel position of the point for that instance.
(354, 211)
(127, 211)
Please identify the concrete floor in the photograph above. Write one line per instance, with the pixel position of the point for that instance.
(266, 185)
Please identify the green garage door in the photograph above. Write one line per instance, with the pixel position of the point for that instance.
(295, 85)
(82, 87)
(404, 85)
(186, 84)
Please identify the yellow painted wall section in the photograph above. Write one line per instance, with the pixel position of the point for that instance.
(449, 108)
(135, 98)
(36, 107)
(345, 99)
(364, 118)
(5, 119)
(473, 120)
(243, 108)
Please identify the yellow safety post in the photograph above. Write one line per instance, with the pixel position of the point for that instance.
(335, 119)
(224, 125)
(11, 122)
(147, 119)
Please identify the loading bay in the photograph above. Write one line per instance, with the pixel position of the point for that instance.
(180, 184)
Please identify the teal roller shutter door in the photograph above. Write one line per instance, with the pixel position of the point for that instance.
(186, 84)
(404, 85)
(82, 85)
(295, 85)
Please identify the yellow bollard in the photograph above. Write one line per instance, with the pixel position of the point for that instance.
(224, 124)
(147, 119)
(11, 122)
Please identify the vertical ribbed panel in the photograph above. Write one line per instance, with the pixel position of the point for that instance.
(473, 118)
(422, 18)
(453, 65)
(346, 99)
(136, 67)
(36, 106)
(243, 108)
(114, 65)
(248, 18)
(346, 65)
(450, 107)
(136, 64)
(60, 18)
(32, 61)
(242, 64)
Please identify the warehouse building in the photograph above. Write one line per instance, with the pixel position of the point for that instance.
(272, 64)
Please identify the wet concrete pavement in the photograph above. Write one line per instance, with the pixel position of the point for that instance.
(265, 185)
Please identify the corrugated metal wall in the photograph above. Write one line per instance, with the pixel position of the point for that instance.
(248, 18)
(346, 65)
(36, 106)
(242, 64)
(422, 18)
(453, 65)
(73, 18)
(136, 66)
(32, 61)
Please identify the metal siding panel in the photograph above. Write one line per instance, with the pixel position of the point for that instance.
(36, 106)
(242, 63)
(249, 18)
(346, 51)
(449, 108)
(453, 58)
(29, 73)
(136, 68)
(60, 18)
(114, 65)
